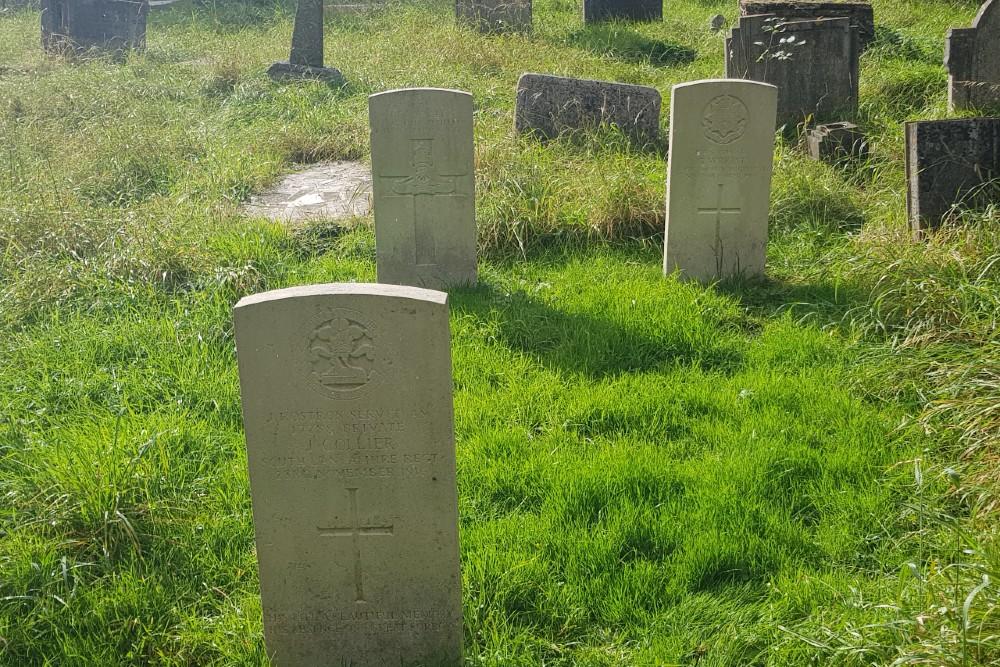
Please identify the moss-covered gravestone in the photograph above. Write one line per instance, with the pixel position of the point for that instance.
(347, 405)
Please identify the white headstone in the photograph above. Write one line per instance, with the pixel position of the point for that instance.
(424, 187)
(719, 178)
(347, 405)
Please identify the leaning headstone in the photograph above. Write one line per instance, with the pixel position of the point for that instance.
(973, 59)
(548, 106)
(814, 64)
(595, 11)
(347, 407)
(306, 60)
(950, 164)
(862, 14)
(719, 178)
(423, 178)
(495, 16)
(98, 26)
(837, 142)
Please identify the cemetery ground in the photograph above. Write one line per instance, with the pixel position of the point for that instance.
(795, 471)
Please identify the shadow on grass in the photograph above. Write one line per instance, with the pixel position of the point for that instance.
(583, 343)
(824, 304)
(614, 40)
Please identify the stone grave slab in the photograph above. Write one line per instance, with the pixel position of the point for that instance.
(549, 105)
(595, 11)
(329, 190)
(972, 56)
(837, 143)
(99, 26)
(862, 14)
(719, 178)
(818, 79)
(424, 187)
(950, 163)
(495, 16)
(347, 407)
(306, 60)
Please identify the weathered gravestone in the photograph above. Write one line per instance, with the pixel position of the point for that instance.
(424, 187)
(306, 60)
(719, 178)
(973, 59)
(837, 142)
(347, 406)
(595, 11)
(102, 26)
(549, 105)
(495, 16)
(814, 64)
(950, 163)
(862, 14)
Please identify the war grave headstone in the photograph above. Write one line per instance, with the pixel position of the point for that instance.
(837, 143)
(950, 163)
(549, 105)
(862, 14)
(972, 56)
(495, 16)
(719, 178)
(100, 26)
(423, 176)
(330, 190)
(306, 59)
(816, 72)
(347, 407)
(595, 11)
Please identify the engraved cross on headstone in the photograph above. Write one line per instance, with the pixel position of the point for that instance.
(355, 531)
(425, 183)
(718, 211)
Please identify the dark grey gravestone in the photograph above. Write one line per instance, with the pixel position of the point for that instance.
(949, 164)
(861, 13)
(101, 26)
(972, 56)
(495, 16)
(595, 11)
(548, 106)
(306, 60)
(837, 142)
(816, 74)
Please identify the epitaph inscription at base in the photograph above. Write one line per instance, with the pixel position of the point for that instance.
(347, 405)
(719, 178)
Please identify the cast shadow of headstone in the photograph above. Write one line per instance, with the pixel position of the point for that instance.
(825, 304)
(617, 40)
(581, 343)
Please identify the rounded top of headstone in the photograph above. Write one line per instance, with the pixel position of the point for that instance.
(399, 91)
(346, 289)
(736, 83)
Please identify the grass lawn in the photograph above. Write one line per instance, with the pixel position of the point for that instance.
(798, 471)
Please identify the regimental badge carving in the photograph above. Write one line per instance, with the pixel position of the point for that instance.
(424, 180)
(342, 355)
(725, 119)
